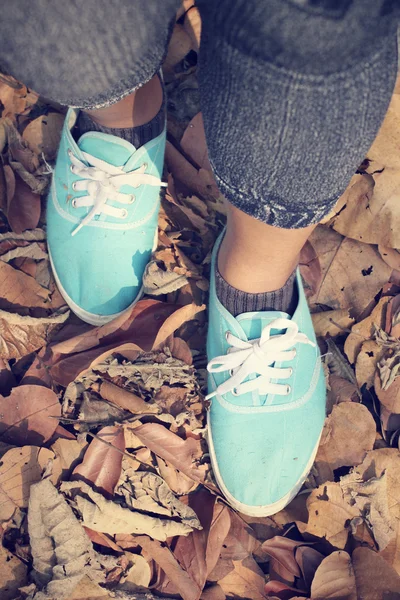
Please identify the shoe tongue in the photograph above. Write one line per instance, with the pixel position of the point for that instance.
(254, 322)
(110, 148)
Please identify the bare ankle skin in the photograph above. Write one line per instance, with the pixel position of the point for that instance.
(138, 108)
(255, 257)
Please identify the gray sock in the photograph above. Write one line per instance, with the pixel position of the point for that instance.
(237, 302)
(138, 136)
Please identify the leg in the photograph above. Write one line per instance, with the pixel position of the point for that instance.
(103, 205)
(292, 119)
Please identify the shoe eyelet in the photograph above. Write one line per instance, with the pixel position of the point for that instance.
(295, 352)
(235, 392)
(73, 203)
(69, 152)
(132, 199)
(124, 213)
(71, 168)
(291, 371)
(145, 165)
(226, 334)
(74, 186)
(230, 372)
(288, 390)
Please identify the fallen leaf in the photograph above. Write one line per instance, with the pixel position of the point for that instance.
(101, 464)
(352, 272)
(331, 322)
(20, 290)
(183, 454)
(138, 575)
(165, 559)
(147, 492)
(106, 516)
(192, 25)
(375, 579)
(13, 575)
(62, 553)
(367, 360)
(21, 335)
(335, 578)
(43, 134)
(23, 210)
(125, 399)
(245, 581)
(365, 329)
(19, 469)
(330, 514)
(69, 453)
(27, 415)
(348, 433)
(371, 498)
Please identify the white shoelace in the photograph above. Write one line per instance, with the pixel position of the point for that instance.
(102, 182)
(256, 357)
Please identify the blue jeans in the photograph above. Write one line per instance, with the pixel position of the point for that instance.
(293, 92)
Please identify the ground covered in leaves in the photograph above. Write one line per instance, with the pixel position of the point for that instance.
(105, 484)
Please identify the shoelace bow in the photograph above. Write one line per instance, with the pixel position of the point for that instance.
(256, 357)
(102, 182)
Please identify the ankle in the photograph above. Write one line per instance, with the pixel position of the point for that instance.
(134, 110)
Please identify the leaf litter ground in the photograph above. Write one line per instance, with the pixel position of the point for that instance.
(106, 489)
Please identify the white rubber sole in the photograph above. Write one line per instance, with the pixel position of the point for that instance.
(263, 510)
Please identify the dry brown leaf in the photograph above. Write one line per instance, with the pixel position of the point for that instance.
(178, 482)
(368, 211)
(310, 269)
(138, 575)
(335, 578)
(390, 256)
(331, 322)
(183, 454)
(102, 463)
(43, 134)
(214, 592)
(245, 581)
(62, 552)
(389, 397)
(376, 580)
(106, 516)
(179, 46)
(165, 559)
(365, 329)
(371, 499)
(20, 335)
(69, 453)
(13, 574)
(330, 514)
(23, 211)
(27, 415)
(366, 363)
(124, 399)
(342, 390)
(20, 290)
(353, 272)
(349, 432)
(19, 469)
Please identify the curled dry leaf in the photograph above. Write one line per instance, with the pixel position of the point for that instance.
(374, 577)
(138, 574)
(349, 432)
(157, 281)
(43, 134)
(62, 552)
(124, 399)
(102, 461)
(365, 329)
(371, 498)
(20, 335)
(147, 492)
(106, 516)
(29, 415)
(192, 25)
(19, 469)
(182, 454)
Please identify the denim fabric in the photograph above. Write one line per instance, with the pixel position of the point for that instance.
(293, 92)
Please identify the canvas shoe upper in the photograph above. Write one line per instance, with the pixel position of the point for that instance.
(267, 393)
(102, 214)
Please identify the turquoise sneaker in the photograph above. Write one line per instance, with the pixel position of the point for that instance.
(102, 214)
(267, 393)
